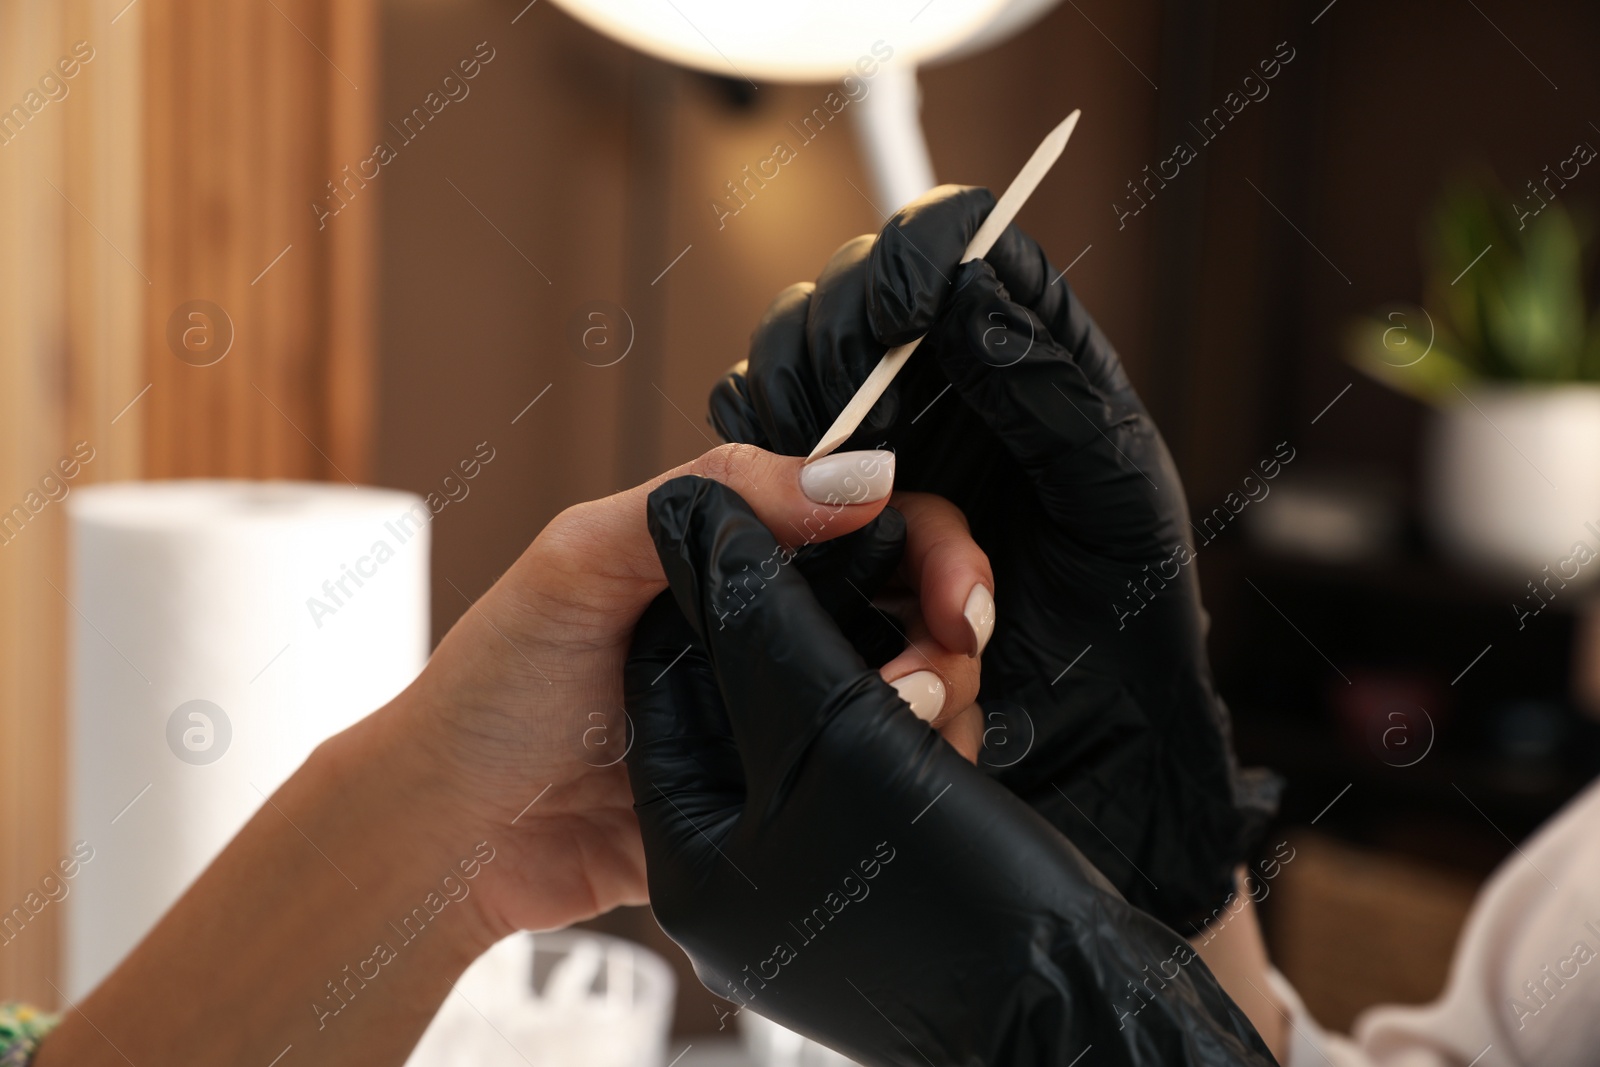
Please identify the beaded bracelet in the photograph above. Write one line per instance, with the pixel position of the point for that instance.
(21, 1030)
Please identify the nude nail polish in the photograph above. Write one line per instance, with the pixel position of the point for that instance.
(849, 477)
(979, 612)
(924, 691)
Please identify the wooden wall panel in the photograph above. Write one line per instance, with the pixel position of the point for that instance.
(254, 112)
(71, 297)
(183, 160)
(32, 320)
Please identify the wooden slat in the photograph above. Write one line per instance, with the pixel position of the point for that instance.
(248, 117)
(30, 311)
(71, 296)
(190, 148)
(349, 372)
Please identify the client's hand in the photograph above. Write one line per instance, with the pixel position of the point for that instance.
(828, 862)
(523, 698)
(1098, 668)
(489, 795)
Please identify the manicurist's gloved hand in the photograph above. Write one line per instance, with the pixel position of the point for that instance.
(827, 861)
(1016, 408)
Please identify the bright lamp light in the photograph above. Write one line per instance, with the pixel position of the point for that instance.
(820, 41)
(785, 40)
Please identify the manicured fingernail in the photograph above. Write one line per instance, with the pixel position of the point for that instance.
(924, 691)
(980, 617)
(849, 477)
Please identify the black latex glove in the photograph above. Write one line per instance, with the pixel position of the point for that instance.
(826, 860)
(1017, 409)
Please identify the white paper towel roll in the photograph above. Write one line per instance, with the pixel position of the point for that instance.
(290, 609)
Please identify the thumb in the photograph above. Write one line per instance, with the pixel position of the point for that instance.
(799, 503)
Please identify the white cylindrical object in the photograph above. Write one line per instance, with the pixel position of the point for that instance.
(1513, 478)
(889, 130)
(220, 631)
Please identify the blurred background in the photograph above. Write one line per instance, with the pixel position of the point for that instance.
(1398, 611)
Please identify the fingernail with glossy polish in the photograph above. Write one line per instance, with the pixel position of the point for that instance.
(849, 477)
(979, 612)
(924, 691)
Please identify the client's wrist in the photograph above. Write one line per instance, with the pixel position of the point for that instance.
(425, 834)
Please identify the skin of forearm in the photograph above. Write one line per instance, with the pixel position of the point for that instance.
(1233, 948)
(277, 945)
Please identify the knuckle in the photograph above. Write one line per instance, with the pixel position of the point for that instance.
(562, 540)
(722, 463)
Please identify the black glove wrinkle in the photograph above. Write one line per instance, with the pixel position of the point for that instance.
(732, 410)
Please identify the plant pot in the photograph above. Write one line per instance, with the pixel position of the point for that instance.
(1512, 477)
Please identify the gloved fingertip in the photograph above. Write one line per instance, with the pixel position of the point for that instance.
(703, 531)
(731, 410)
(912, 258)
(978, 285)
(669, 508)
(958, 207)
(977, 275)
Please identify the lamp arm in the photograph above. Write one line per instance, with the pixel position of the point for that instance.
(889, 128)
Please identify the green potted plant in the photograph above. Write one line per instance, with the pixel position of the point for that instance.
(1506, 352)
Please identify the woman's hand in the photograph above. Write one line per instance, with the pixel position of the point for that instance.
(522, 701)
(489, 795)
